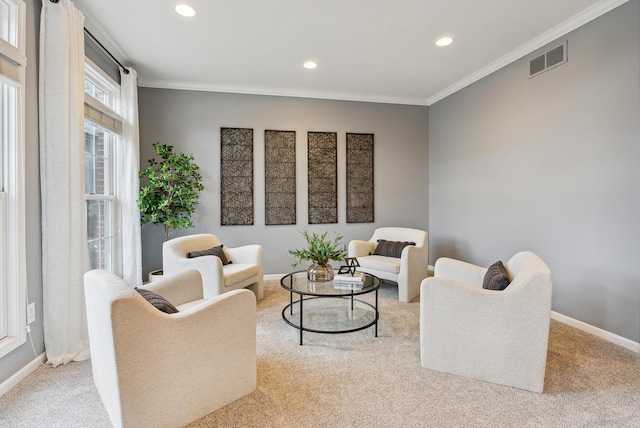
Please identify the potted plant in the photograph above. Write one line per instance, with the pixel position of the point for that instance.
(320, 250)
(171, 188)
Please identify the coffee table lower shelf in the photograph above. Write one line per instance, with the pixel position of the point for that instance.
(331, 314)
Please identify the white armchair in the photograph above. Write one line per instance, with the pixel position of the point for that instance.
(245, 271)
(495, 336)
(161, 370)
(407, 271)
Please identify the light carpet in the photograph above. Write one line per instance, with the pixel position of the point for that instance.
(356, 379)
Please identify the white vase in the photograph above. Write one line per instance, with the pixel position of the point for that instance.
(155, 275)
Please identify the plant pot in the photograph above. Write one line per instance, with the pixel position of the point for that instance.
(155, 275)
(319, 272)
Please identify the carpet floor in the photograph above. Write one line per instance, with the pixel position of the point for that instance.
(356, 379)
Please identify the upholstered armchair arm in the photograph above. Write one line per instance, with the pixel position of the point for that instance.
(452, 308)
(210, 267)
(249, 254)
(360, 248)
(459, 271)
(206, 346)
(414, 262)
(179, 288)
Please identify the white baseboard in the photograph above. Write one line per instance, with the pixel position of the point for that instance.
(273, 277)
(22, 374)
(603, 334)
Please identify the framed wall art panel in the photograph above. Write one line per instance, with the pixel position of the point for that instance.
(280, 177)
(236, 176)
(322, 177)
(360, 178)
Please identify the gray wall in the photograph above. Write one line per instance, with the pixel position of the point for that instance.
(15, 360)
(191, 122)
(100, 58)
(550, 164)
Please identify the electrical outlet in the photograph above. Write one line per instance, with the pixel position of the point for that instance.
(31, 313)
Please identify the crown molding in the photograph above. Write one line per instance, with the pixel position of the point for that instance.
(549, 36)
(281, 92)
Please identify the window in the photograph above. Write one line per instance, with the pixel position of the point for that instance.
(8, 110)
(98, 149)
(12, 226)
(102, 128)
(9, 22)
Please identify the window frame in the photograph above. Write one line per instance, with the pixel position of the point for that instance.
(105, 117)
(15, 51)
(13, 281)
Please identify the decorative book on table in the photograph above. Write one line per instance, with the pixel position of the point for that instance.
(356, 278)
(345, 285)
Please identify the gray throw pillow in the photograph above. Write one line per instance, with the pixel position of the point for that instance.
(390, 248)
(214, 251)
(496, 277)
(157, 301)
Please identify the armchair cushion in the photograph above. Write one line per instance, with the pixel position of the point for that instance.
(390, 248)
(235, 274)
(157, 301)
(496, 277)
(213, 251)
(383, 263)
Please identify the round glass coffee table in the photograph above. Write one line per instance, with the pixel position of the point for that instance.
(329, 306)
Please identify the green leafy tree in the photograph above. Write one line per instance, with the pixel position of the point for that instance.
(319, 249)
(171, 189)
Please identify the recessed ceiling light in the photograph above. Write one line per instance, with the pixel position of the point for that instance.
(185, 10)
(310, 65)
(444, 41)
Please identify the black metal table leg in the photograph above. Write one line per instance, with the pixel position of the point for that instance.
(301, 299)
(377, 314)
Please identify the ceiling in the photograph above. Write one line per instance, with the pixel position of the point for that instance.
(366, 50)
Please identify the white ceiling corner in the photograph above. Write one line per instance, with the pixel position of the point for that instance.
(367, 50)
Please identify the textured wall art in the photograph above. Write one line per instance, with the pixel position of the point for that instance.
(323, 177)
(359, 178)
(280, 177)
(236, 176)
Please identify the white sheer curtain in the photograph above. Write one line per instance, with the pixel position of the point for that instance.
(65, 256)
(128, 183)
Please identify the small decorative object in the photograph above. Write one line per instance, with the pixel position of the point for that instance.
(350, 267)
(357, 279)
(320, 250)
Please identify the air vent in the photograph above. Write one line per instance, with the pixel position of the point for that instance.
(548, 60)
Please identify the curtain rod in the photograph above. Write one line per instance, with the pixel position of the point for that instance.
(113, 58)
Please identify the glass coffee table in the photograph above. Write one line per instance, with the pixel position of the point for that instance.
(328, 306)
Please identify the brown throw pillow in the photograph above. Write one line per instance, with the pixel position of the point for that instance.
(390, 248)
(214, 251)
(496, 277)
(157, 301)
